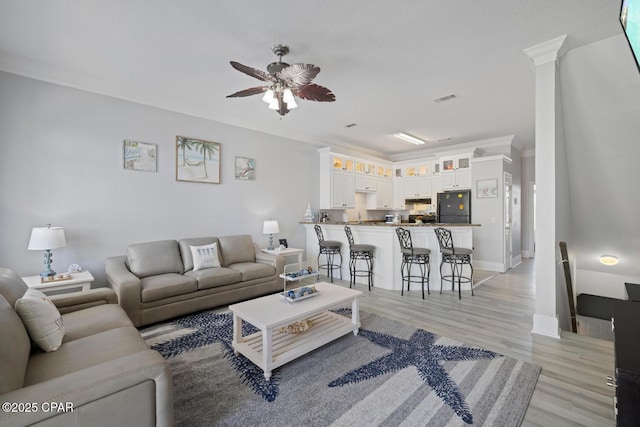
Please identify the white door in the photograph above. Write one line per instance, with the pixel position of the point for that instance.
(508, 243)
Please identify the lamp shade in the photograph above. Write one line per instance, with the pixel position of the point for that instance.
(270, 227)
(44, 238)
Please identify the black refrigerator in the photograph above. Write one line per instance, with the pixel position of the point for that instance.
(454, 207)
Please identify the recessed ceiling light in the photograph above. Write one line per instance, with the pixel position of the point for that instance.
(608, 259)
(409, 138)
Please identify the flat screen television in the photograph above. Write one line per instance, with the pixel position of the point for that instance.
(630, 20)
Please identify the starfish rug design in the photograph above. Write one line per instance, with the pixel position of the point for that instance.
(420, 351)
(389, 374)
(209, 328)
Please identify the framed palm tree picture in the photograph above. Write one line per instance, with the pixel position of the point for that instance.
(197, 160)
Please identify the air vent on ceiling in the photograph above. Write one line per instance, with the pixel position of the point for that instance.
(351, 125)
(445, 98)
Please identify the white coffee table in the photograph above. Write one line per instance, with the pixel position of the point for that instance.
(270, 348)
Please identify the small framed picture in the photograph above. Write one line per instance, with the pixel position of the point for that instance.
(245, 168)
(140, 156)
(486, 188)
(283, 242)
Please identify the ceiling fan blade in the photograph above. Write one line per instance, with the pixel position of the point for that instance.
(253, 72)
(296, 75)
(248, 92)
(314, 92)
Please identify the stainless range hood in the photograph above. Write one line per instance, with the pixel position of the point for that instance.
(419, 201)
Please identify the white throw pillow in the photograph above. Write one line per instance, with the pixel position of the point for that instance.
(205, 256)
(42, 319)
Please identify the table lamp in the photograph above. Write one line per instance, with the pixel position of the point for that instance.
(47, 238)
(270, 227)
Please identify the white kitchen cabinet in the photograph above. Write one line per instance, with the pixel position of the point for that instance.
(365, 183)
(344, 163)
(342, 190)
(419, 186)
(456, 162)
(398, 194)
(383, 197)
(337, 180)
(455, 171)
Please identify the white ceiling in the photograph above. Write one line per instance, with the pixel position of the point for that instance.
(385, 60)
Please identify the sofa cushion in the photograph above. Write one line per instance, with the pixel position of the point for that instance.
(42, 319)
(93, 320)
(83, 353)
(166, 285)
(12, 286)
(253, 270)
(14, 348)
(185, 249)
(205, 256)
(234, 249)
(153, 258)
(214, 277)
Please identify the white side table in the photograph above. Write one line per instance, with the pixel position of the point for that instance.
(286, 252)
(81, 280)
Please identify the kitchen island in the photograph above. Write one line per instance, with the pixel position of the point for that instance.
(387, 258)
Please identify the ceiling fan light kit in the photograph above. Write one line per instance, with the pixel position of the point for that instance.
(409, 138)
(287, 83)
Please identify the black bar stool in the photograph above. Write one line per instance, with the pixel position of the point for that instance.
(411, 256)
(359, 252)
(328, 248)
(457, 258)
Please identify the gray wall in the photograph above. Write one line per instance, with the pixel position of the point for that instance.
(563, 214)
(515, 168)
(528, 181)
(61, 163)
(488, 212)
(601, 95)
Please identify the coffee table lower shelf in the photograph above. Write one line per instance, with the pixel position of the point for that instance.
(283, 347)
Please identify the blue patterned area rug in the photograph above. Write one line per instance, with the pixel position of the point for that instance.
(391, 374)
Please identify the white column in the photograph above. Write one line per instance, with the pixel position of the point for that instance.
(544, 57)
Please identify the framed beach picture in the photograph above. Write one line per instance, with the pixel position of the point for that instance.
(197, 160)
(139, 156)
(486, 188)
(245, 168)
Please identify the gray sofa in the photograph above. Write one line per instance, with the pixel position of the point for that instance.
(156, 280)
(103, 369)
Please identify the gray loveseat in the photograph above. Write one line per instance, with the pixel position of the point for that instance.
(156, 280)
(103, 373)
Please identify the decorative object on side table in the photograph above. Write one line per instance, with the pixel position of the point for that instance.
(283, 244)
(308, 215)
(270, 227)
(47, 238)
(74, 268)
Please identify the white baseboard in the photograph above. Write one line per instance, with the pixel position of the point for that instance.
(527, 254)
(485, 265)
(515, 261)
(545, 325)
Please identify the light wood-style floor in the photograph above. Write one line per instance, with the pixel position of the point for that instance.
(571, 390)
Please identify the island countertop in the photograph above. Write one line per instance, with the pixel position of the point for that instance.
(384, 224)
(387, 256)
